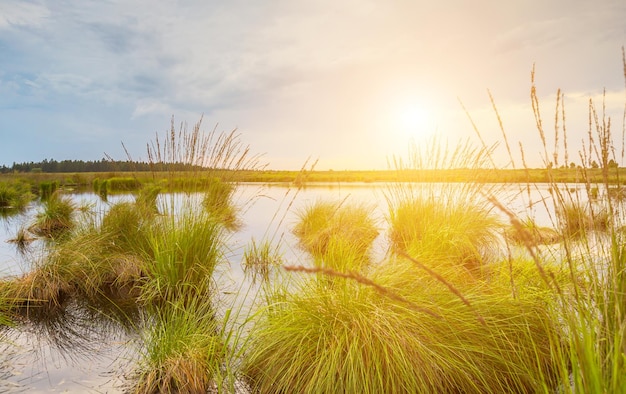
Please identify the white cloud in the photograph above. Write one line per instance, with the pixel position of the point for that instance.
(22, 14)
(149, 106)
(304, 72)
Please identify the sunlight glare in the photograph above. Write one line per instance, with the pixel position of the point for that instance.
(414, 118)
(414, 121)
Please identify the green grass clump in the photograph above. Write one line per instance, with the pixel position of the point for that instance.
(101, 188)
(445, 231)
(444, 312)
(372, 336)
(259, 260)
(218, 202)
(125, 227)
(56, 218)
(184, 350)
(147, 198)
(47, 189)
(577, 220)
(43, 286)
(337, 235)
(93, 258)
(122, 184)
(14, 197)
(183, 252)
(528, 232)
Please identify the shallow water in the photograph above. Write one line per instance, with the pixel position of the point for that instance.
(80, 350)
(72, 352)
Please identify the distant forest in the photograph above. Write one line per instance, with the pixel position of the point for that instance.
(104, 165)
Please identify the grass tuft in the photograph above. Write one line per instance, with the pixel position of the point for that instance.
(56, 218)
(338, 235)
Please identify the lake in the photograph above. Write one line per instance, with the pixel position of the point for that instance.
(85, 351)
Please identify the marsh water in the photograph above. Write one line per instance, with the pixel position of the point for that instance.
(82, 349)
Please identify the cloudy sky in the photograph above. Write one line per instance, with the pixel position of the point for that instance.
(348, 82)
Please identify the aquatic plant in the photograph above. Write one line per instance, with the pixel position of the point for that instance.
(218, 202)
(592, 309)
(22, 239)
(56, 217)
(449, 225)
(101, 188)
(370, 335)
(183, 252)
(94, 258)
(576, 219)
(47, 189)
(260, 259)
(338, 235)
(529, 232)
(14, 197)
(444, 312)
(126, 226)
(147, 198)
(44, 285)
(184, 350)
(445, 231)
(122, 184)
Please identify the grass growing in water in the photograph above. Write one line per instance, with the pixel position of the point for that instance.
(591, 310)
(184, 252)
(218, 202)
(22, 239)
(56, 217)
(14, 197)
(399, 326)
(184, 349)
(414, 322)
(186, 344)
(47, 189)
(259, 260)
(527, 231)
(449, 225)
(576, 220)
(338, 235)
(374, 336)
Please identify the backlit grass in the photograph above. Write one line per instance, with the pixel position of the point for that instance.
(461, 235)
(260, 259)
(184, 252)
(184, 350)
(402, 333)
(529, 232)
(338, 235)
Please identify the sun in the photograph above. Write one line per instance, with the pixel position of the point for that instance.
(413, 118)
(413, 121)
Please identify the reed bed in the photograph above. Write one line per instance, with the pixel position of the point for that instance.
(186, 344)
(455, 307)
(403, 325)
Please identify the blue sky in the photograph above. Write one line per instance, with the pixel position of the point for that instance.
(348, 82)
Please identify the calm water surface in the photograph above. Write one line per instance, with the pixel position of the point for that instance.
(80, 351)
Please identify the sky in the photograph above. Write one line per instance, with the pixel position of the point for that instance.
(350, 83)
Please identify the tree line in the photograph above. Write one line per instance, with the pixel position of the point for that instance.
(104, 165)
